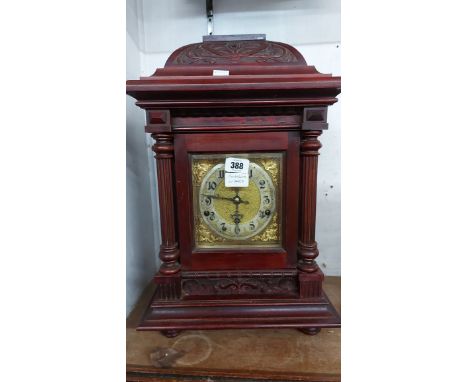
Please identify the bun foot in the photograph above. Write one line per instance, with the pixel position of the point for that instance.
(310, 331)
(171, 333)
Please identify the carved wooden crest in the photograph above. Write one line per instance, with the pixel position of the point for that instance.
(236, 53)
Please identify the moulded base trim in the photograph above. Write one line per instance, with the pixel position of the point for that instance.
(304, 313)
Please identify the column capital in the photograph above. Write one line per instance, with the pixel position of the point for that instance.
(163, 146)
(310, 145)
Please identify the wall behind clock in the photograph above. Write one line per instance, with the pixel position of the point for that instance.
(154, 30)
(140, 206)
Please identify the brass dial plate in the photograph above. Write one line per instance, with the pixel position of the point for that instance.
(237, 217)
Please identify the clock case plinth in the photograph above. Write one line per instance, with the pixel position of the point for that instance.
(271, 101)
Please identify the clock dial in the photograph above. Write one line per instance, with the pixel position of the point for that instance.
(237, 213)
(237, 217)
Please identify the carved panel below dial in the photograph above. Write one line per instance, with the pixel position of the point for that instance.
(265, 286)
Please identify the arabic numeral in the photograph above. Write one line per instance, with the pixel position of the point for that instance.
(207, 201)
(221, 174)
(252, 226)
(262, 184)
(250, 173)
(212, 216)
(266, 199)
(211, 185)
(223, 227)
(261, 214)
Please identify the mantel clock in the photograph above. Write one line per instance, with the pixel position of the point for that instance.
(236, 126)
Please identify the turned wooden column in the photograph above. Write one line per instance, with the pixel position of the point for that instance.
(169, 250)
(307, 246)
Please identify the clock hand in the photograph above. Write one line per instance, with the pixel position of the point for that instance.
(237, 217)
(217, 197)
(236, 199)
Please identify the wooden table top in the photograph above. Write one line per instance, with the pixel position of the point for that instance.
(235, 355)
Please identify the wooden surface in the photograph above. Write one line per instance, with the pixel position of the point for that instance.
(236, 355)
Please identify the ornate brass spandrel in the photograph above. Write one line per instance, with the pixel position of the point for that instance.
(200, 168)
(272, 166)
(271, 232)
(204, 235)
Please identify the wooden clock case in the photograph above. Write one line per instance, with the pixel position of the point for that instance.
(271, 101)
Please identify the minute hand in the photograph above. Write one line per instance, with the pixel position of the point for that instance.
(234, 200)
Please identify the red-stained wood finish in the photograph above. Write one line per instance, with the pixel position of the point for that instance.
(309, 161)
(271, 101)
(169, 251)
(231, 142)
